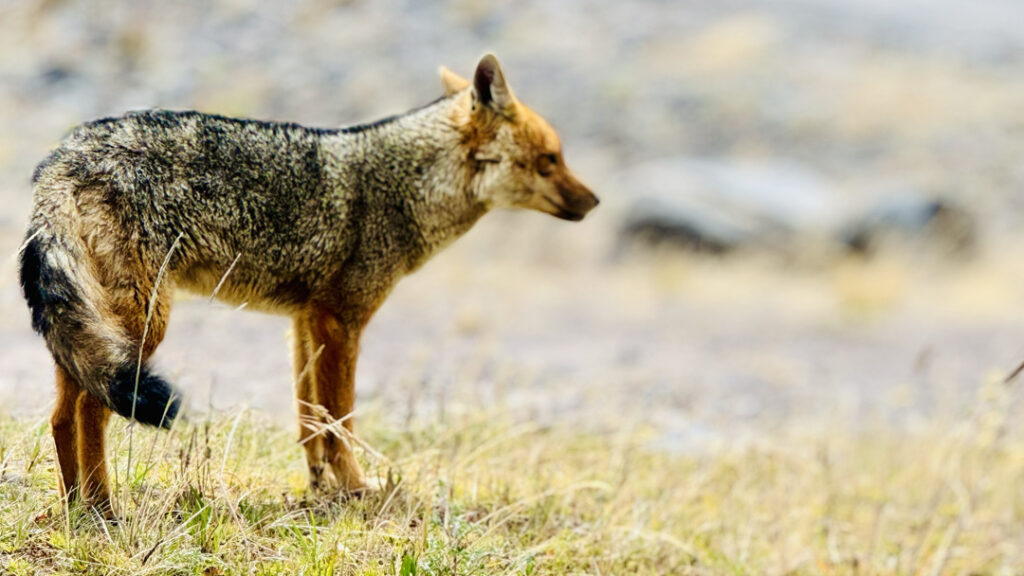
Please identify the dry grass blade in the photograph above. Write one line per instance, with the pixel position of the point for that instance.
(322, 423)
(1013, 375)
(224, 278)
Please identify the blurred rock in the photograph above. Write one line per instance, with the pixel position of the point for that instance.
(938, 224)
(718, 205)
(674, 221)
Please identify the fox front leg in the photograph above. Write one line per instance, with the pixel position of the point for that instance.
(311, 424)
(334, 375)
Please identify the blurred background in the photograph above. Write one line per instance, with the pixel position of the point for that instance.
(811, 209)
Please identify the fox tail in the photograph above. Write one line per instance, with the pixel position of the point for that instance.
(71, 313)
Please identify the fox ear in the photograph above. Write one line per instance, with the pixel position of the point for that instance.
(453, 83)
(490, 88)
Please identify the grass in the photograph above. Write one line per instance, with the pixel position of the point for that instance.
(487, 493)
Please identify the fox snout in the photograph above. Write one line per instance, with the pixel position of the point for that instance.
(574, 199)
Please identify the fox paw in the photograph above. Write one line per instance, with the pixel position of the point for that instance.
(321, 480)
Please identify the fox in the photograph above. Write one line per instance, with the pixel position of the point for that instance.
(318, 224)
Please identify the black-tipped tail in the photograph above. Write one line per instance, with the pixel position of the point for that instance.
(78, 337)
(155, 402)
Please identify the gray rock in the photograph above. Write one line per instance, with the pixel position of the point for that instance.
(718, 206)
(913, 220)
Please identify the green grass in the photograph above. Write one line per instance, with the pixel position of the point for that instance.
(488, 494)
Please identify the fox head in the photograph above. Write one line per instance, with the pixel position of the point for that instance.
(515, 154)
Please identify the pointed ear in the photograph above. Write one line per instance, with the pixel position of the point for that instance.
(452, 82)
(490, 88)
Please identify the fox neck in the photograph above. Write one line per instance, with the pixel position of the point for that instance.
(417, 165)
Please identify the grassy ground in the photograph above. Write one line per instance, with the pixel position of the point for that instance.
(487, 493)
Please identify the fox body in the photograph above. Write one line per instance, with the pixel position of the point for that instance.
(318, 224)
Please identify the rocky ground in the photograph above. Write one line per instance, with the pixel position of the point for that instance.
(558, 320)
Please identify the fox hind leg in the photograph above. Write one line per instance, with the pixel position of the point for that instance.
(63, 426)
(92, 416)
(91, 425)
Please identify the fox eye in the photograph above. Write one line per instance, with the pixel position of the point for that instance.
(546, 164)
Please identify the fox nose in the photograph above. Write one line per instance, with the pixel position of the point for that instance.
(589, 202)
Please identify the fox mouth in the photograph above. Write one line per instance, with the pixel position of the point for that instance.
(562, 212)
